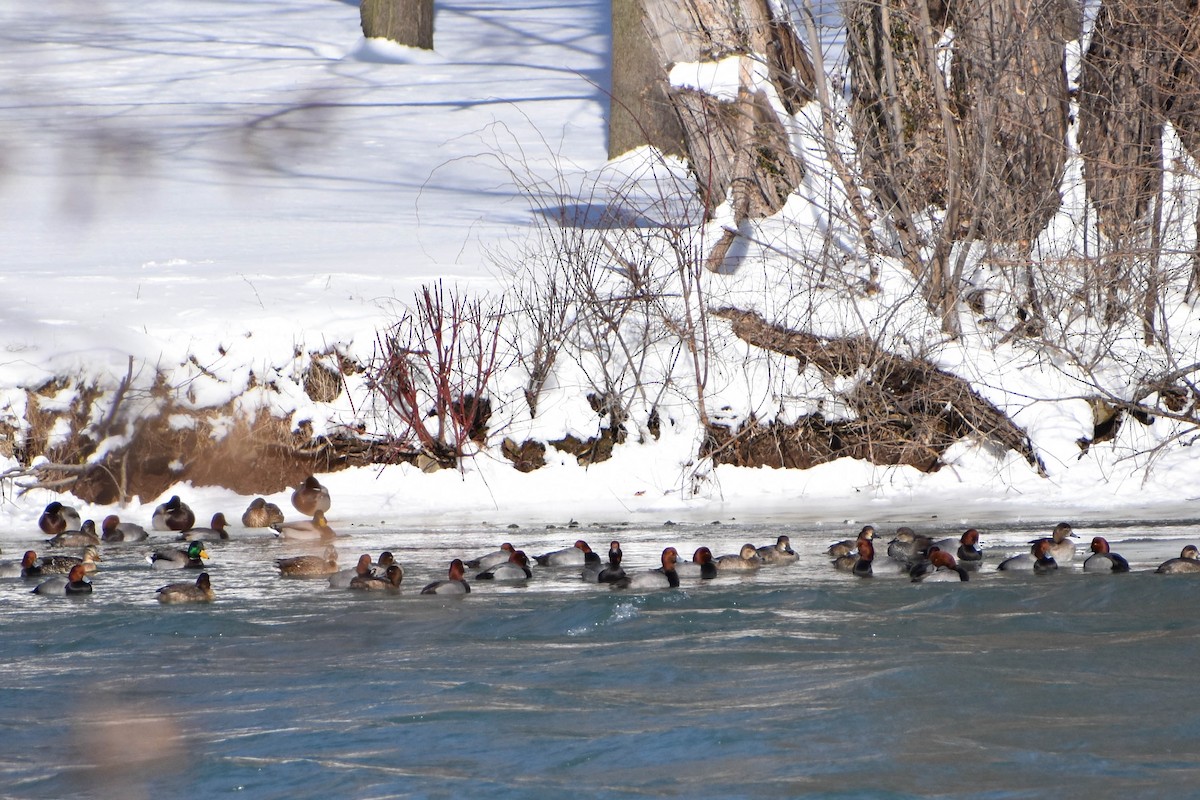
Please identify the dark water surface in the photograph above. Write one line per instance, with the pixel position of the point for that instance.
(793, 682)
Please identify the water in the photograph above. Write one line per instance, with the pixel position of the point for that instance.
(794, 682)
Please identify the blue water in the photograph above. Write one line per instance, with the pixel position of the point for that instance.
(793, 682)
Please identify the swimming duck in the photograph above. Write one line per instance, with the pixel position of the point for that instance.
(1103, 559)
(316, 529)
(596, 572)
(576, 555)
(311, 497)
(1062, 549)
(75, 583)
(863, 564)
(779, 553)
(61, 565)
(27, 567)
(1188, 561)
(57, 518)
(747, 559)
(665, 577)
(81, 538)
(309, 566)
(180, 559)
(199, 592)
(454, 584)
(388, 582)
(848, 546)
(702, 565)
(907, 546)
(173, 515)
(940, 566)
(965, 548)
(363, 568)
(214, 533)
(515, 569)
(114, 530)
(261, 514)
(493, 558)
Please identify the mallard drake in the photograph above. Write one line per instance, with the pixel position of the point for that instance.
(192, 558)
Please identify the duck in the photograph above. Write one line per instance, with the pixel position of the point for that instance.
(1025, 562)
(779, 553)
(173, 515)
(908, 546)
(1103, 559)
(848, 546)
(1062, 550)
(57, 518)
(385, 560)
(316, 529)
(214, 533)
(311, 497)
(845, 561)
(199, 592)
(515, 569)
(702, 565)
(493, 558)
(261, 514)
(1188, 561)
(61, 565)
(576, 555)
(747, 559)
(665, 577)
(940, 566)
(363, 568)
(180, 559)
(74, 584)
(309, 566)
(455, 582)
(81, 538)
(112, 529)
(863, 566)
(388, 582)
(965, 548)
(596, 572)
(27, 567)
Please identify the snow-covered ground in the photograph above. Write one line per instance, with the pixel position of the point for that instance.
(215, 187)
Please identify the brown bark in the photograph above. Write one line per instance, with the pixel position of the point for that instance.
(408, 22)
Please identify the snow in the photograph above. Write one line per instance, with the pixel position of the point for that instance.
(210, 189)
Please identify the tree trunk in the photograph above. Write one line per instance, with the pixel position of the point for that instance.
(408, 22)
(641, 112)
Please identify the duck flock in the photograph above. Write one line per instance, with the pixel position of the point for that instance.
(917, 556)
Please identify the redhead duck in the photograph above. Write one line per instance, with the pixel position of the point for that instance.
(179, 559)
(863, 564)
(515, 569)
(28, 567)
(908, 546)
(702, 565)
(61, 565)
(576, 555)
(848, 546)
(362, 569)
(261, 514)
(1103, 559)
(845, 561)
(940, 566)
(779, 553)
(214, 533)
(493, 558)
(747, 559)
(173, 515)
(112, 529)
(199, 592)
(75, 583)
(317, 529)
(1061, 548)
(965, 548)
(1188, 561)
(81, 538)
(454, 583)
(311, 497)
(57, 518)
(665, 577)
(389, 582)
(606, 573)
(309, 566)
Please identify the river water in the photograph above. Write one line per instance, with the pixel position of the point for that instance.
(795, 681)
